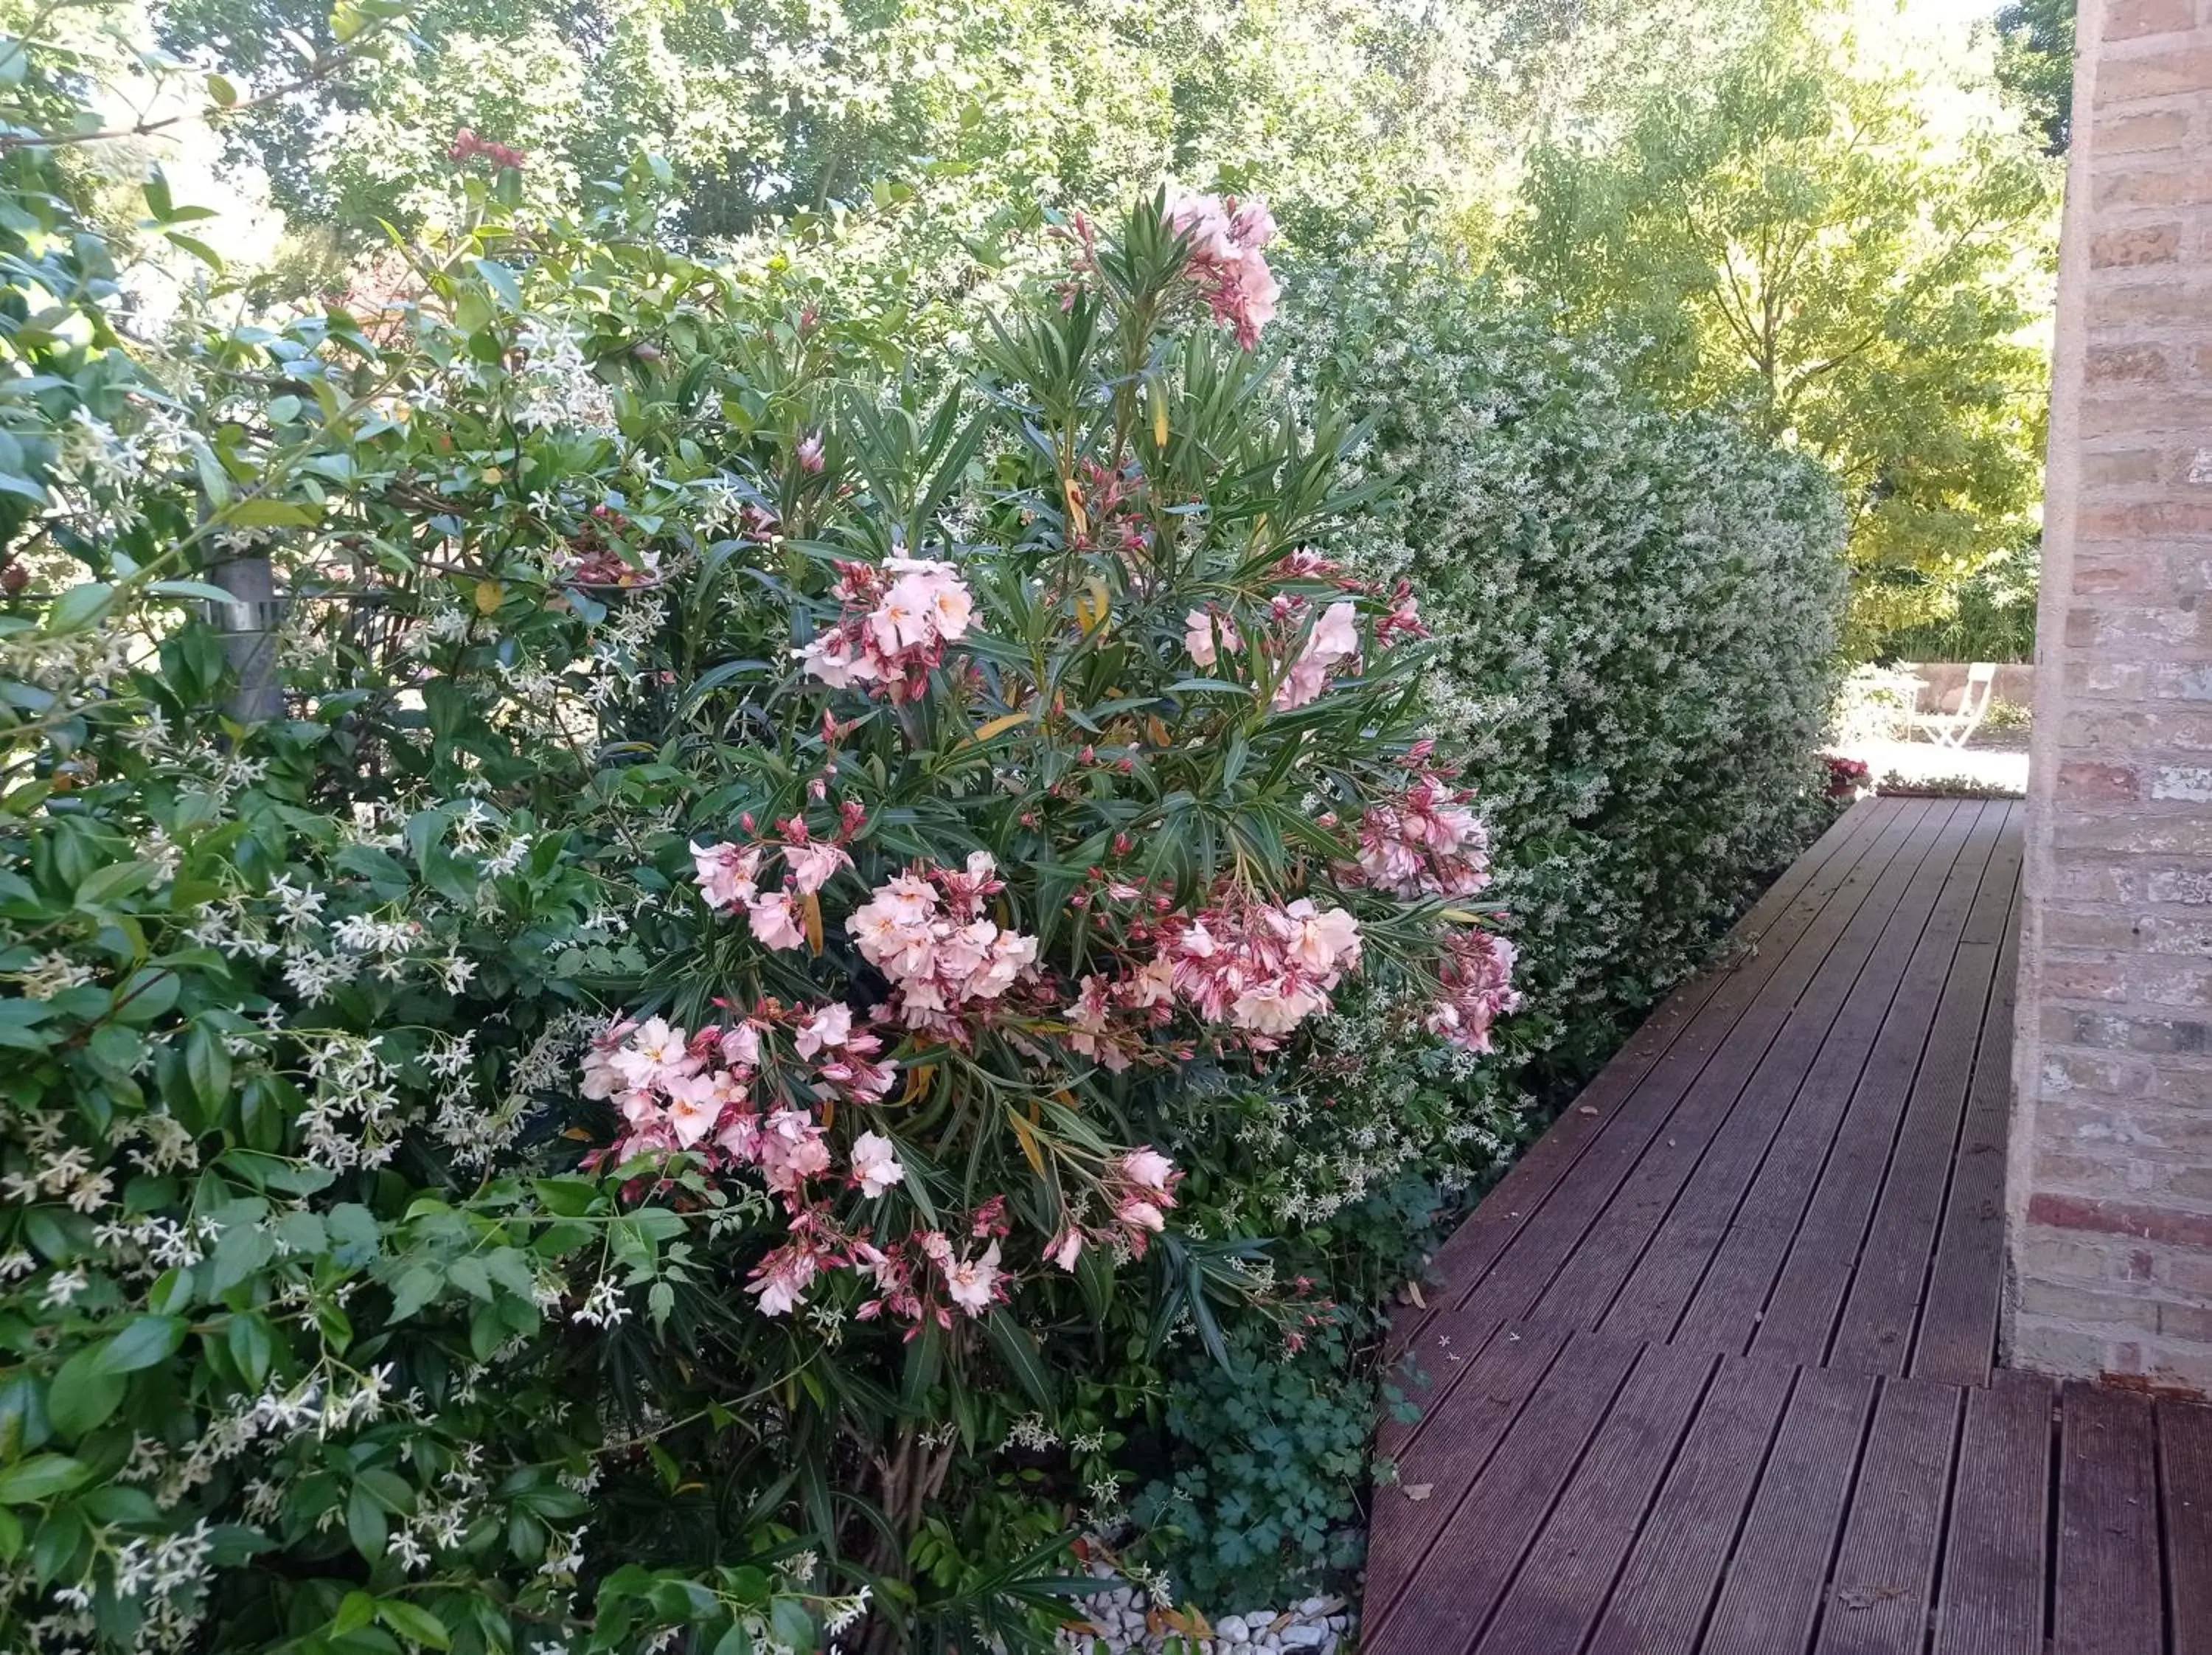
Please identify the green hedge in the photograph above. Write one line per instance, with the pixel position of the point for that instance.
(1639, 613)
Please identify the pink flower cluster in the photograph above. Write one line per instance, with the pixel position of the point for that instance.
(1225, 237)
(923, 1278)
(898, 618)
(1138, 1191)
(695, 1093)
(1332, 640)
(1259, 968)
(1477, 979)
(1425, 843)
(926, 931)
(728, 877)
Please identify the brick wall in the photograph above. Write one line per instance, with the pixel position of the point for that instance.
(2111, 1186)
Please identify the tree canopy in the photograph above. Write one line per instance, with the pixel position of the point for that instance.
(1794, 238)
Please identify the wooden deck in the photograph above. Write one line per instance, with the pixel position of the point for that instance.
(1714, 1368)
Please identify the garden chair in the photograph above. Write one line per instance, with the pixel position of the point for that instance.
(1955, 729)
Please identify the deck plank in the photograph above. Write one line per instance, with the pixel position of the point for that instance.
(1714, 1058)
(2107, 1599)
(1800, 1157)
(1883, 1310)
(1667, 1584)
(1562, 1584)
(1442, 1609)
(1780, 1570)
(1878, 1602)
(1711, 1144)
(1763, 936)
(1736, 1220)
(2184, 1479)
(1807, 1296)
(1995, 1545)
(1958, 1332)
(1436, 1472)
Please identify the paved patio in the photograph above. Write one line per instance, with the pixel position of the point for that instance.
(1714, 1369)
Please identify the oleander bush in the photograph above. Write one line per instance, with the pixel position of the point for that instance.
(676, 1055)
(1636, 613)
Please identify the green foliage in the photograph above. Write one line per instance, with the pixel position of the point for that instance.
(1275, 1447)
(1795, 239)
(2035, 65)
(1993, 617)
(1638, 617)
(337, 1304)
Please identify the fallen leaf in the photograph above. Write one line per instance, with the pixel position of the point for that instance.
(1419, 1490)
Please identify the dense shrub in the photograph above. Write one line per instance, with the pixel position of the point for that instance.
(695, 1067)
(1637, 614)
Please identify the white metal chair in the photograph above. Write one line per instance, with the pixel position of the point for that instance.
(1955, 729)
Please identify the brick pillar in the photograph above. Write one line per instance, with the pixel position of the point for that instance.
(2111, 1169)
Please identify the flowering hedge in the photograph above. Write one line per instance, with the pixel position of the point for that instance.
(676, 1064)
(1638, 612)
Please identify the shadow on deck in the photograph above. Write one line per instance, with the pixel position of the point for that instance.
(1714, 1368)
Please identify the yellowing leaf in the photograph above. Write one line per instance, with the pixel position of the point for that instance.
(1156, 731)
(489, 595)
(814, 921)
(918, 1082)
(1094, 604)
(998, 725)
(1077, 518)
(1029, 1143)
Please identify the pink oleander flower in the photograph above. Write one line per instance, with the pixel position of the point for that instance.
(1326, 944)
(468, 147)
(1476, 979)
(792, 1149)
(972, 1283)
(1147, 1169)
(812, 866)
(923, 929)
(742, 1045)
(774, 920)
(1135, 1213)
(1067, 1248)
(896, 622)
(656, 1054)
(782, 1278)
(832, 1025)
(1335, 638)
(875, 1164)
(809, 453)
(1404, 620)
(1225, 237)
(726, 874)
(1425, 843)
(1202, 626)
(602, 1080)
(1259, 968)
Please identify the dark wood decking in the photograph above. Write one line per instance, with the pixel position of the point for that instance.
(1714, 1368)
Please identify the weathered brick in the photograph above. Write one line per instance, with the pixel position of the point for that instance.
(2130, 20)
(2163, 128)
(2136, 244)
(2153, 75)
(2109, 783)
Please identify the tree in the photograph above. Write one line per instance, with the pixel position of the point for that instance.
(2035, 64)
(1792, 238)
